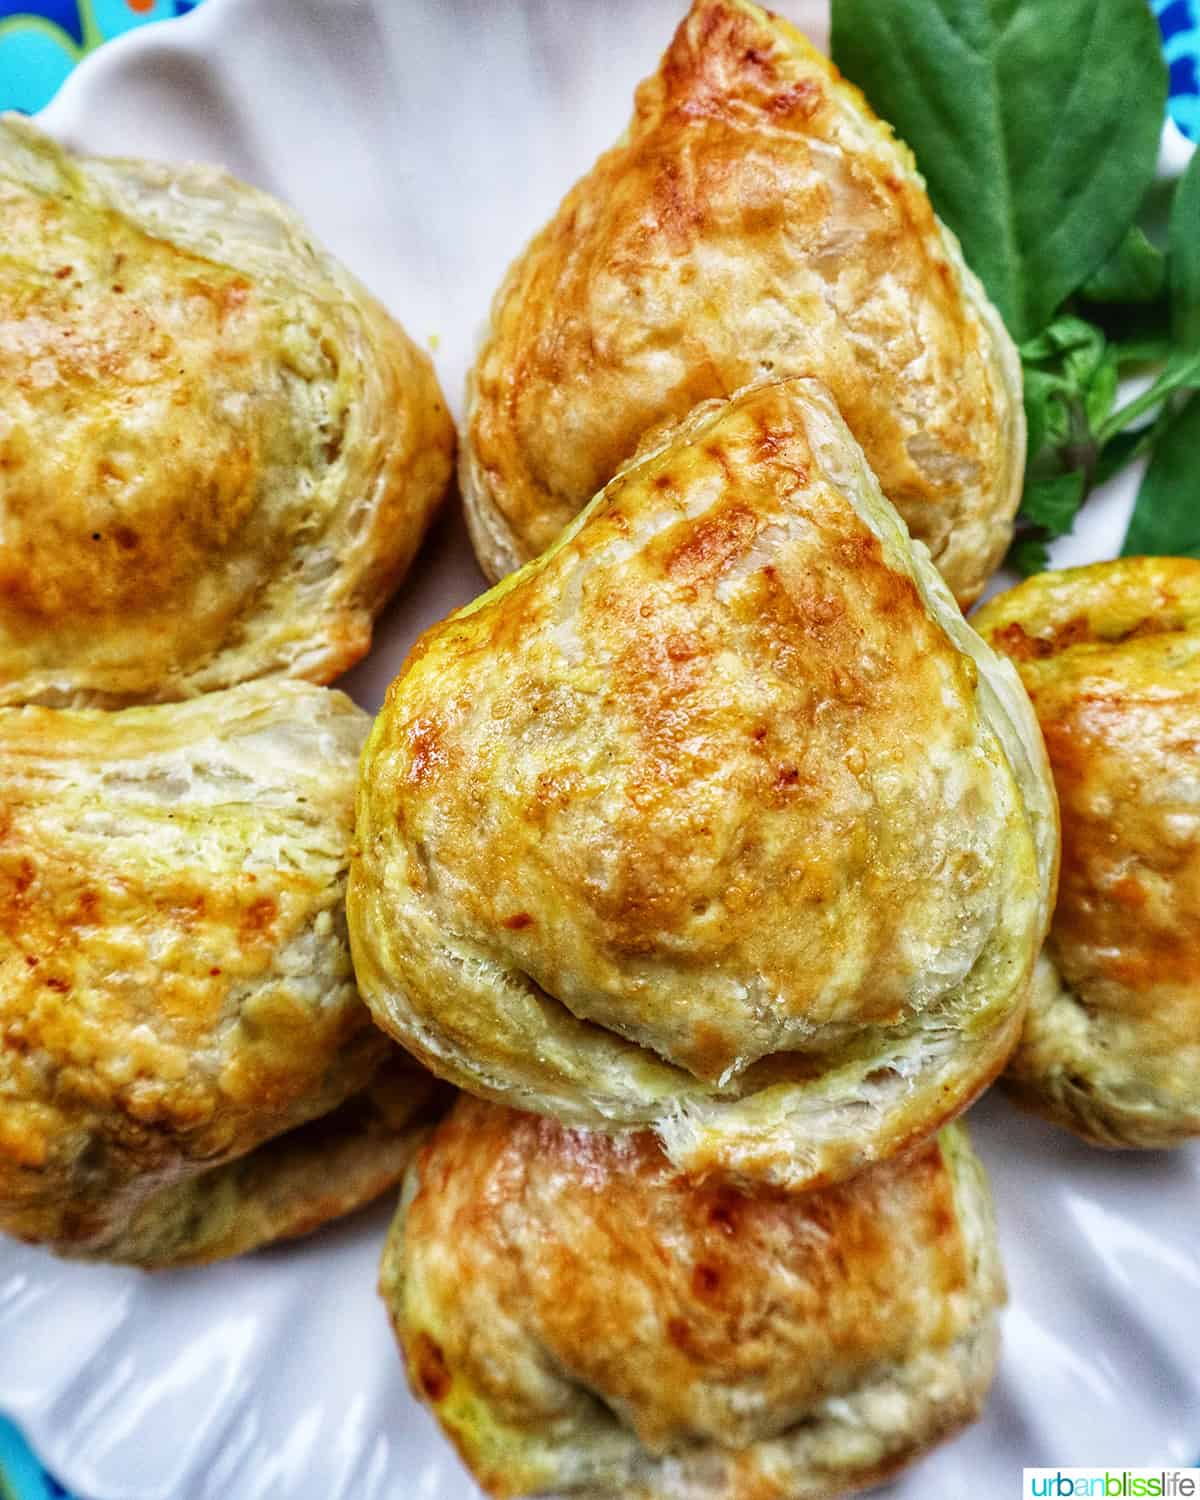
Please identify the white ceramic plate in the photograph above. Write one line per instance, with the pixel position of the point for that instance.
(425, 142)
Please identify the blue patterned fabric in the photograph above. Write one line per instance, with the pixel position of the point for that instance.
(42, 40)
(1179, 22)
(21, 1476)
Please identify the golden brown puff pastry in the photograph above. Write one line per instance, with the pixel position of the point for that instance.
(586, 1322)
(1111, 657)
(291, 1184)
(175, 979)
(716, 818)
(756, 219)
(217, 452)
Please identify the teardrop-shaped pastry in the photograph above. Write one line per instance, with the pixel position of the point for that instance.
(755, 220)
(218, 453)
(586, 1323)
(186, 1069)
(716, 818)
(1110, 655)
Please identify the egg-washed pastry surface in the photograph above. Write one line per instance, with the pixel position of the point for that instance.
(756, 219)
(586, 1322)
(716, 818)
(1110, 654)
(175, 979)
(291, 1184)
(218, 453)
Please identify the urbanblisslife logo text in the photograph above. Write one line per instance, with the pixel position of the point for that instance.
(1113, 1484)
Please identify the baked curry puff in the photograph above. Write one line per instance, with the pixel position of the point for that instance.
(218, 453)
(1111, 657)
(587, 1323)
(186, 1069)
(755, 220)
(715, 819)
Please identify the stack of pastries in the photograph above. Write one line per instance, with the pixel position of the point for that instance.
(218, 455)
(717, 839)
(711, 854)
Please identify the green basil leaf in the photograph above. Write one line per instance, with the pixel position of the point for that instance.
(1028, 554)
(1101, 391)
(1071, 377)
(1182, 373)
(1082, 364)
(1053, 503)
(1047, 414)
(1182, 370)
(1144, 351)
(1183, 265)
(1124, 448)
(1166, 515)
(1136, 271)
(1035, 122)
(1065, 333)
